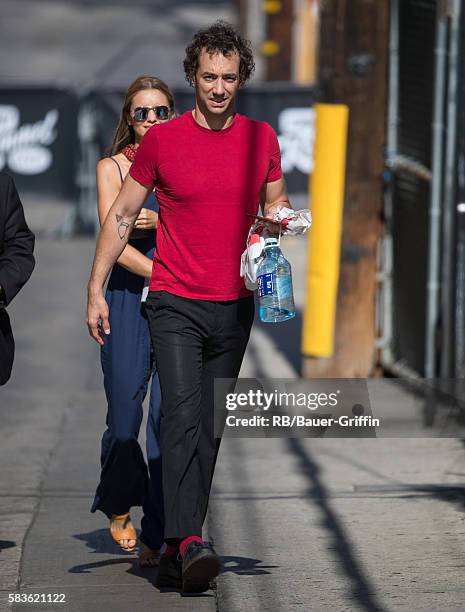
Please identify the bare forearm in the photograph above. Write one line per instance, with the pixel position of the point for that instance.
(111, 242)
(273, 197)
(114, 234)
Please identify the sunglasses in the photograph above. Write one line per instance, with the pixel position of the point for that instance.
(162, 113)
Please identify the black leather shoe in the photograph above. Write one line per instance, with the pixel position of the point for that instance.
(200, 565)
(169, 572)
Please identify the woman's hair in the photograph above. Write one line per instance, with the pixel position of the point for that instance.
(124, 134)
(220, 37)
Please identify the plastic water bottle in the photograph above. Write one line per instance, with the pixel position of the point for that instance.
(275, 295)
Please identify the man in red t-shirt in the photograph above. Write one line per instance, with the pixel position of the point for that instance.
(210, 167)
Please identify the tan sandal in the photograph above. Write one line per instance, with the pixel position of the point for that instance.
(125, 533)
(148, 557)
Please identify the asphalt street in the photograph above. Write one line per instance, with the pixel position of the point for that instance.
(82, 43)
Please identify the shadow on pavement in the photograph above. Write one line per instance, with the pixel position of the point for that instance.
(446, 492)
(244, 566)
(286, 337)
(101, 542)
(442, 492)
(6, 544)
(147, 573)
(150, 574)
(362, 591)
(367, 469)
(85, 568)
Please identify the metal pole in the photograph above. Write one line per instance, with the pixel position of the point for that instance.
(393, 107)
(432, 286)
(460, 222)
(448, 245)
(256, 31)
(385, 273)
(83, 218)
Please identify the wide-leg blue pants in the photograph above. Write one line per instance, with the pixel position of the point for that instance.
(129, 370)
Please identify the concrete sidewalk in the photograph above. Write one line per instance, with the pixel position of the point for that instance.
(340, 524)
(320, 524)
(332, 523)
(53, 414)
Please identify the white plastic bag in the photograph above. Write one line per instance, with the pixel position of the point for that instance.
(294, 222)
(251, 258)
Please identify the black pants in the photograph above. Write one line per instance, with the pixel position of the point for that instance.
(195, 341)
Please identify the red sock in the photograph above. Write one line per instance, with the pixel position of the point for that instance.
(185, 543)
(170, 550)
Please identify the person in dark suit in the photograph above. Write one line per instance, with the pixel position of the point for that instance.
(16, 264)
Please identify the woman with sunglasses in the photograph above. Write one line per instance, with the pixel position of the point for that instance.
(127, 357)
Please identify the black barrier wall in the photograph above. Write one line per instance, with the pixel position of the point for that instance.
(38, 140)
(289, 111)
(412, 194)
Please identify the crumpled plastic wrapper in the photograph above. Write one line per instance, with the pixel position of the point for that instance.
(293, 223)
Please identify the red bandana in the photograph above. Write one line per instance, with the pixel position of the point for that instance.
(129, 151)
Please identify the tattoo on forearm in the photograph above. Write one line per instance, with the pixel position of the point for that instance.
(122, 227)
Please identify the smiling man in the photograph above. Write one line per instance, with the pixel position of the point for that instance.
(210, 167)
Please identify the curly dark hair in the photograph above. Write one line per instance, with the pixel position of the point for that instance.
(220, 37)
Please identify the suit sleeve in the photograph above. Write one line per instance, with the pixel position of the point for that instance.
(16, 257)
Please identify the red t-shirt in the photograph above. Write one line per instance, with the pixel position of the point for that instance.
(206, 181)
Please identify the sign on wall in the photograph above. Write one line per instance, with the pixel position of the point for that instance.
(288, 109)
(38, 140)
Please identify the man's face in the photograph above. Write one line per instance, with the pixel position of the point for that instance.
(217, 81)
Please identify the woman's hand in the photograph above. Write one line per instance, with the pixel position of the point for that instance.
(147, 219)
